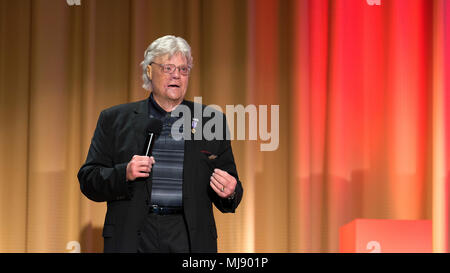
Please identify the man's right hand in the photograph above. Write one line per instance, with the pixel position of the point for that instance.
(139, 166)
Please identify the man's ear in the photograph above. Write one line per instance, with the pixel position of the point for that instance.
(149, 71)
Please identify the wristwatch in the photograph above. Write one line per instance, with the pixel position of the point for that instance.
(231, 197)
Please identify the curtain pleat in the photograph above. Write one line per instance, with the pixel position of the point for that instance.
(361, 96)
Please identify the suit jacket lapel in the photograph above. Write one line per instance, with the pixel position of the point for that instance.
(140, 122)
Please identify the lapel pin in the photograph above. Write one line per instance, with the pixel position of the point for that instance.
(194, 124)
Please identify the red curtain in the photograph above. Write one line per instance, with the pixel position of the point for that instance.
(370, 121)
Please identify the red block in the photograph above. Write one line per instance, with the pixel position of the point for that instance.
(390, 236)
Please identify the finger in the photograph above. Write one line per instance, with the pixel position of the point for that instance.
(217, 190)
(141, 174)
(146, 159)
(145, 169)
(231, 180)
(219, 186)
(222, 173)
(216, 182)
(152, 160)
(219, 171)
(220, 179)
(141, 166)
(142, 158)
(144, 163)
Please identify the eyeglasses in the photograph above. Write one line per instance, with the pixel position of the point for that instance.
(170, 68)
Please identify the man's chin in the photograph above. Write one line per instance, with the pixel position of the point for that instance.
(175, 95)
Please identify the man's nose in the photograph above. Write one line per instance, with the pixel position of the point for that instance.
(176, 73)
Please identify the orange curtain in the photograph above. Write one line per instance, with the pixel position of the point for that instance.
(363, 96)
(371, 126)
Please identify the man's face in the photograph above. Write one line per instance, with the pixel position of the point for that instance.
(169, 86)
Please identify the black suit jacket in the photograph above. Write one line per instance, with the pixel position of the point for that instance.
(120, 134)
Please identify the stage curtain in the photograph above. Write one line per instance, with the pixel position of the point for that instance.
(362, 90)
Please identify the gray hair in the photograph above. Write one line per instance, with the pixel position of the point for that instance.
(168, 44)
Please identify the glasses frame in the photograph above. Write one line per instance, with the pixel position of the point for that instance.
(173, 68)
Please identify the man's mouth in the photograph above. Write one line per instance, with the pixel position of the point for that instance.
(174, 85)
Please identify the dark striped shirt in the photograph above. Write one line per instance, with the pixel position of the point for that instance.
(167, 172)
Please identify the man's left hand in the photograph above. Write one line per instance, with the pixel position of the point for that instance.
(223, 183)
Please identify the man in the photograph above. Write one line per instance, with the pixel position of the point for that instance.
(161, 203)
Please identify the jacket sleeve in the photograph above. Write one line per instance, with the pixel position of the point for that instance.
(224, 204)
(100, 178)
(226, 163)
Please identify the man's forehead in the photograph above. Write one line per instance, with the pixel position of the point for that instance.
(168, 57)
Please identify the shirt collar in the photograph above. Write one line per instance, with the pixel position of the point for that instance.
(156, 105)
(154, 109)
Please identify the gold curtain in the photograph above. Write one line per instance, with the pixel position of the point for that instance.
(60, 66)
